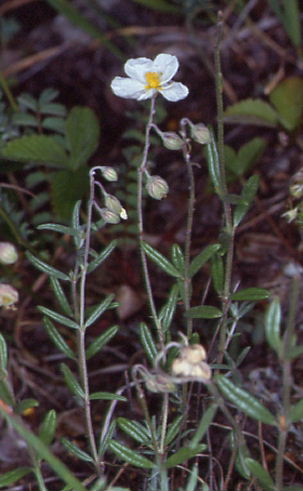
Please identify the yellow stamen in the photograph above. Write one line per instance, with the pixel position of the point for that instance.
(153, 80)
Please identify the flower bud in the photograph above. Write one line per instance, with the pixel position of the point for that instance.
(194, 353)
(109, 173)
(8, 253)
(171, 140)
(156, 187)
(8, 295)
(113, 204)
(200, 133)
(109, 216)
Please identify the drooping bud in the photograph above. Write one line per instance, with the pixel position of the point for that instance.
(200, 133)
(113, 204)
(109, 216)
(157, 187)
(171, 140)
(194, 353)
(8, 295)
(109, 173)
(8, 253)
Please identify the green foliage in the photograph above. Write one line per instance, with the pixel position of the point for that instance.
(288, 12)
(238, 163)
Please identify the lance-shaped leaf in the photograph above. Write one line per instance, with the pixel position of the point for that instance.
(272, 325)
(104, 440)
(71, 381)
(26, 404)
(204, 312)
(213, 164)
(57, 339)
(10, 477)
(107, 396)
(202, 258)
(160, 260)
(245, 401)
(251, 294)
(60, 296)
(173, 429)
(148, 342)
(217, 273)
(178, 258)
(296, 412)
(100, 258)
(102, 307)
(101, 341)
(76, 451)
(3, 354)
(249, 191)
(167, 312)
(65, 321)
(183, 454)
(46, 268)
(134, 429)
(261, 474)
(203, 426)
(48, 427)
(127, 455)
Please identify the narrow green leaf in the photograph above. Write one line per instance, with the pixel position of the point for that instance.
(134, 429)
(296, 412)
(76, 451)
(204, 425)
(159, 5)
(160, 260)
(60, 469)
(57, 339)
(249, 192)
(102, 256)
(48, 95)
(6, 394)
(204, 312)
(213, 164)
(178, 259)
(36, 148)
(71, 381)
(272, 326)
(173, 429)
(48, 427)
(26, 404)
(58, 317)
(261, 474)
(245, 401)
(53, 108)
(192, 481)
(60, 296)
(101, 341)
(3, 353)
(217, 273)
(25, 119)
(11, 477)
(251, 294)
(148, 343)
(202, 258)
(46, 268)
(127, 455)
(167, 312)
(98, 311)
(107, 396)
(56, 227)
(104, 441)
(28, 101)
(183, 454)
(82, 135)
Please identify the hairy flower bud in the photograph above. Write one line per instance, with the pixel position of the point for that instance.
(171, 140)
(109, 173)
(156, 187)
(8, 295)
(200, 133)
(109, 216)
(8, 253)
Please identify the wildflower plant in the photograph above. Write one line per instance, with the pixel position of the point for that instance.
(168, 444)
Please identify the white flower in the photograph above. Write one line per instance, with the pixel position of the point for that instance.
(147, 77)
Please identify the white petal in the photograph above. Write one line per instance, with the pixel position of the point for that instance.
(167, 65)
(148, 93)
(128, 88)
(137, 67)
(175, 91)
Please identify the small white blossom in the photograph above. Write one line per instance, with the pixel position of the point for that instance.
(147, 77)
(8, 296)
(8, 253)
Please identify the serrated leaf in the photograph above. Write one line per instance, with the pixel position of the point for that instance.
(67, 187)
(10, 477)
(296, 412)
(127, 455)
(58, 317)
(101, 341)
(287, 97)
(251, 294)
(245, 401)
(148, 342)
(183, 454)
(36, 148)
(160, 260)
(48, 427)
(272, 325)
(76, 451)
(100, 258)
(102, 307)
(57, 339)
(71, 381)
(202, 258)
(261, 474)
(46, 268)
(107, 396)
(82, 135)
(134, 429)
(252, 111)
(60, 296)
(204, 312)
